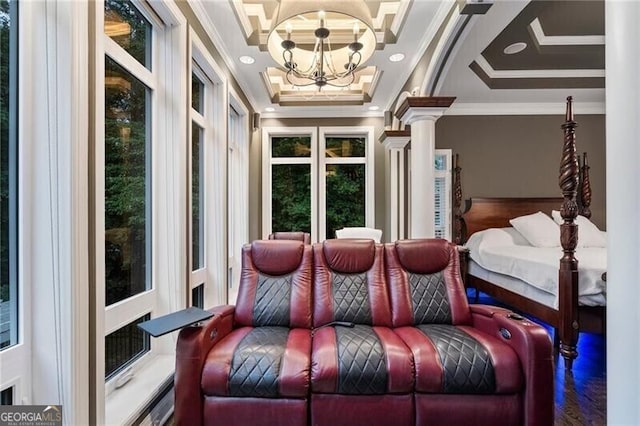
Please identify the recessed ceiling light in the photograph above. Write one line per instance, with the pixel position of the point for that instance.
(514, 48)
(374, 108)
(248, 60)
(269, 109)
(396, 57)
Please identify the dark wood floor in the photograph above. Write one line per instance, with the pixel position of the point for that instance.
(581, 393)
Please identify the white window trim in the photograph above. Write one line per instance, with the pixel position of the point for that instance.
(53, 252)
(368, 161)
(237, 193)
(267, 162)
(214, 274)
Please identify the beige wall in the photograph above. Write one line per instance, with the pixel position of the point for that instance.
(519, 156)
(255, 165)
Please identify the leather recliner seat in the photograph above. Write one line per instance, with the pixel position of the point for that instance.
(349, 332)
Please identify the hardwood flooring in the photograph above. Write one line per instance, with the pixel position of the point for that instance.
(580, 393)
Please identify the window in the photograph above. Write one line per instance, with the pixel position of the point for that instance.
(289, 180)
(197, 187)
(442, 182)
(291, 183)
(8, 175)
(141, 194)
(208, 177)
(318, 189)
(238, 191)
(344, 188)
(124, 345)
(129, 106)
(128, 185)
(197, 296)
(199, 126)
(6, 397)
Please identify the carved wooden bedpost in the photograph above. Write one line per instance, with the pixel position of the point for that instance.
(585, 188)
(457, 202)
(568, 274)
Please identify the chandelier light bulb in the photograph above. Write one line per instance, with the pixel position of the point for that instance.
(288, 28)
(321, 16)
(356, 29)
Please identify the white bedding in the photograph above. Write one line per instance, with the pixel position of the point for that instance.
(505, 251)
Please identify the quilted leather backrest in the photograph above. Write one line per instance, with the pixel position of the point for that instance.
(425, 284)
(349, 283)
(275, 284)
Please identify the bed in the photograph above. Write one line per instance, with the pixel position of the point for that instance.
(568, 293)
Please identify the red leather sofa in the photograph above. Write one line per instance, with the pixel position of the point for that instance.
(349, 332)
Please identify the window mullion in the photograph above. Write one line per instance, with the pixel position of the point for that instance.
(200, 120)
(122, 313)
(118, 54)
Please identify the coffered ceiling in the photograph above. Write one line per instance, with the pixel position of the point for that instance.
(561, 42)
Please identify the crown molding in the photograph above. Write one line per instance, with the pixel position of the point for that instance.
(419, 106)
(337, 111)
(540, 108)
(395, 139)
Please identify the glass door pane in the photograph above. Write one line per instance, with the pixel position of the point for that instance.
(291, 197)
(345, 194)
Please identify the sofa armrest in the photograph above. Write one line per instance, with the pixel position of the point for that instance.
(534, 348)
(194, 343)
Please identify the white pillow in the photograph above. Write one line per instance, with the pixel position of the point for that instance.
(588, 233)
(539, 229)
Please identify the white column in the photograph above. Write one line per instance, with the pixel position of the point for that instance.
(623, 201)
(394, 143)
(421, 113)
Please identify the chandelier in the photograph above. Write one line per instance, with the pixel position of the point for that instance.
(311, 54)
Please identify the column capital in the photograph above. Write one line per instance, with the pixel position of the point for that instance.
(395, 139)
(415, 108)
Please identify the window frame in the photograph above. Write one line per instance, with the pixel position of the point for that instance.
(126, 311)
(446, 174)
(267, 175)
(214, 169)
(15, 360)
(168, 222)
(238, 191)
(368, 160)
(318, 162)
